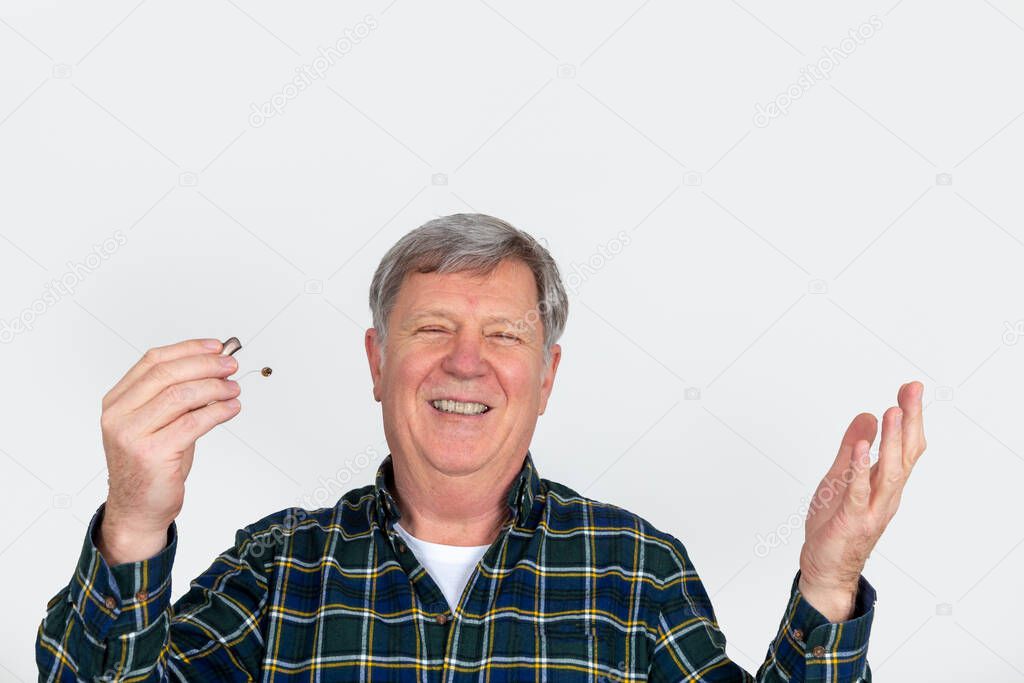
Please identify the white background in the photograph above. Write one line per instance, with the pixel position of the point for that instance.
(790, 275)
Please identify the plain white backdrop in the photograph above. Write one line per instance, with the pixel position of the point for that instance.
(768, 218)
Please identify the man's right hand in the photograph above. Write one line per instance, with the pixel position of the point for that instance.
(150, 422)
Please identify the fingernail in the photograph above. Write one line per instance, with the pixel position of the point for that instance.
(212, 344)
(227, 361)
(899, 419)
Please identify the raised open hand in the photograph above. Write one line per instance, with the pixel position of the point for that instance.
(855, 501)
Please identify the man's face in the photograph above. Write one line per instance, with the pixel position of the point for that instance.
(468, 338)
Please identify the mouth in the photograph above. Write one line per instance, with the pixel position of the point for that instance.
(451, 406)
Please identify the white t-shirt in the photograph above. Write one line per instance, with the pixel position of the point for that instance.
(449, 565)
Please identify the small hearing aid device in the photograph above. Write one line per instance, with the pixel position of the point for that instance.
(232, 346)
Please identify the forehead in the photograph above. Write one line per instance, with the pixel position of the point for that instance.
(509, 287)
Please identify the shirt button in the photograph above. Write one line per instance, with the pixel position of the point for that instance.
(818, 651)
(401, 547)
(141, 596)
(798, 634)
(441, 618)
(110, 602)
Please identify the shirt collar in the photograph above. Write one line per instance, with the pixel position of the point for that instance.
(522, 494)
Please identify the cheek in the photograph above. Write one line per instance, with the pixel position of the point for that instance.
(520, 383)
(408, 373)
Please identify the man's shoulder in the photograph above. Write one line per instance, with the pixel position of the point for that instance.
(568, 509)
(297, 523)
(565, 502)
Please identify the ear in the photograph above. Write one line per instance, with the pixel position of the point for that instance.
(374, 355)
(548, 382)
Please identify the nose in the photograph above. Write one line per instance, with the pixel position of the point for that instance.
(465, 355)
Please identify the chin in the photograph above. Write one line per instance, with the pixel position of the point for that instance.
(456, 458)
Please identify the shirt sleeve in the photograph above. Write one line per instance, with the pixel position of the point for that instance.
(691, 646)
(117, 622)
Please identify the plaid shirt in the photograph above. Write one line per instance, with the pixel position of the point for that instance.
(572, 589)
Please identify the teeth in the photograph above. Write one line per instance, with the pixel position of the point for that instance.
(471, 408)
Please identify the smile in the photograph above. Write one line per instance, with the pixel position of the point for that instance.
(450, 406)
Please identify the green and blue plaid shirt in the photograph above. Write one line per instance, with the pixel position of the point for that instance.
(572, 589)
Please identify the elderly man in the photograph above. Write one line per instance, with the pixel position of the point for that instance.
(460, 563)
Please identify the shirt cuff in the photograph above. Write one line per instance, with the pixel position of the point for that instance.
(822, 650)
(124, 598)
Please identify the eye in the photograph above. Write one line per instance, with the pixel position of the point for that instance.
(430, 329)
(505, 336)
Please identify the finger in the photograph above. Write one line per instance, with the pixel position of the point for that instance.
(176, 400)
(889, 473)
(909, 398)
(156, 355)
(168, 373)
(858, 493)
(184, 431)
(863, 427)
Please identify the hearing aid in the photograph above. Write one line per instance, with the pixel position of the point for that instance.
(232, 346)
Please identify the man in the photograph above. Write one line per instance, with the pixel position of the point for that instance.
(460, 562)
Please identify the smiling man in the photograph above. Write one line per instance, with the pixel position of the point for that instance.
(460, 562)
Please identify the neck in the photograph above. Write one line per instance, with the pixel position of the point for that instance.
(455, 510)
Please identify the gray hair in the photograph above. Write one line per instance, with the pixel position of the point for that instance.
(469, 242)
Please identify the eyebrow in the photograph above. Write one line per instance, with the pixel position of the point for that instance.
(439, 313)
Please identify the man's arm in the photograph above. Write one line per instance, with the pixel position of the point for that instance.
(114, 617)
(824, 633)
(114, 622)
(807, 647)
(810, 647)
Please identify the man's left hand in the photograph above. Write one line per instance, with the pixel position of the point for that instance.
(855, 501)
